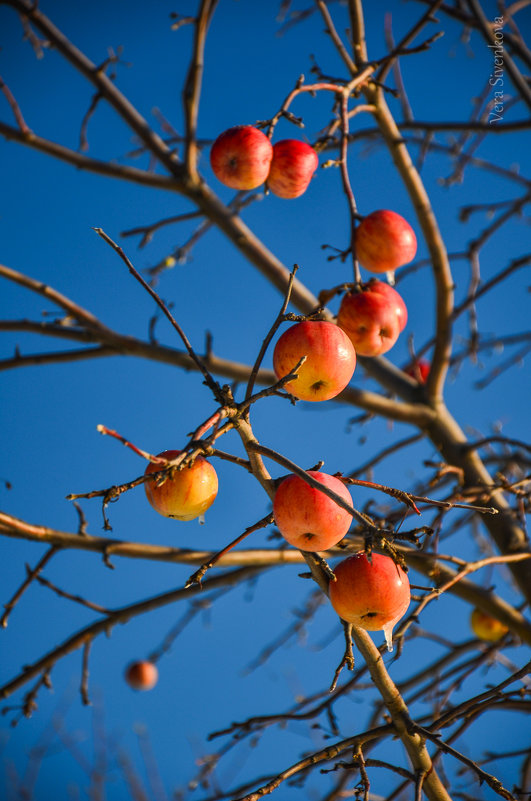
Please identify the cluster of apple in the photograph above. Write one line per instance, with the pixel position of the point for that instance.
(243, 158)
(372, 315)
(369, 320)
(371, 593)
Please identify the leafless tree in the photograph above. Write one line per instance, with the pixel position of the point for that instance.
(478, 484)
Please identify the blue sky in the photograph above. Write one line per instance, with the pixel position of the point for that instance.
(50, 446)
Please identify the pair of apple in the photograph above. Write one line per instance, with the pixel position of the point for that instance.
(368, 323)
(244, 158)
(372, 594)
(375, 314)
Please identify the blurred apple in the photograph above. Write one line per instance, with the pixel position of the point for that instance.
(330, 363)
(373, 318)
(419, 370)
(385, 241)
(292, 168)
(485, 627)
(373, 595)
(306, 517)
(142, 675)
(187, 494)
(241, 156)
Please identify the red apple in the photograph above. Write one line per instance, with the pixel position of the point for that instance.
(292, 168)
(306, 517)
(373, 595)
(485, 627)
(330, 362)
(142, 675)
(385, 241)
(187, 494)
(241, 156)
(419, 370)
(373, 318)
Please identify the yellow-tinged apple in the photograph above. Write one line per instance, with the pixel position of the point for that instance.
(187, 493)
(485, 627)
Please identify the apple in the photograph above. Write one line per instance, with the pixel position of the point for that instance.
(187, 493)
(142, 675)
(292, 168)
(485, 627)
(419, 370)
(241, 156)
(371, 594)
(373, 318)
(330, 362)
(306, 517)
(384, 241)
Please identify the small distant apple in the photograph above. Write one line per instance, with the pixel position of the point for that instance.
(142, 675)
(372, 594)
(385, 241)
(187, 494)
(306, 517)
(330, 363)
(292, 167)
(241, 156)
(485, 627)
(373, 318)
(419, 370)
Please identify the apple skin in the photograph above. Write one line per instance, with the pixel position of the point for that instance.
(373, 596)
(308, 519)
(241, 156)
(330, 363)
(485, 627)
(372, 318)
(420, 371)
(292, 168)
(396, 301)
(142, 675)
(385, 241)
(187, 494)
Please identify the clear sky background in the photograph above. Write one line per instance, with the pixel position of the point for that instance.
(50, 446)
